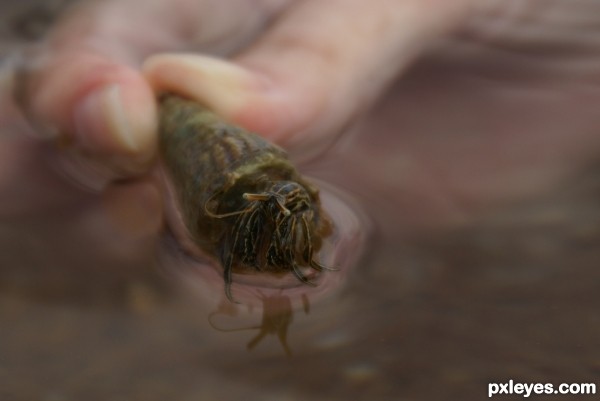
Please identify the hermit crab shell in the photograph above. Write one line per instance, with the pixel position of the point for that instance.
(240, 198)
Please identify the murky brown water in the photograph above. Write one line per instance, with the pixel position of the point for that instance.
(452, 292)
(433, 317)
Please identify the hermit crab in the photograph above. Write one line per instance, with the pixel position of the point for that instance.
(241, 199)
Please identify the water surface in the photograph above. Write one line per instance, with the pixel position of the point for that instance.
(475, 270)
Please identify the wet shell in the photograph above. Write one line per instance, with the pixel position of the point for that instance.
(241, 199)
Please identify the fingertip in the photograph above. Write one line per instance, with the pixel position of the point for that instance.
(117, 120)
(98, 107)
(220, 85)
(242, 95)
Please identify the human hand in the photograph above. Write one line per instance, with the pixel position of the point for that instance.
(92, 114)
(299, 71)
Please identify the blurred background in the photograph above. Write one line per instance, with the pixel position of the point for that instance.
(481, 255)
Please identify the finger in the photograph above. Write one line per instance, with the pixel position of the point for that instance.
(94, 106)
(321, 63)
(83, 86)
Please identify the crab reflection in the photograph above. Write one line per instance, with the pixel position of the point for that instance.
(276, 297)
(277, 316)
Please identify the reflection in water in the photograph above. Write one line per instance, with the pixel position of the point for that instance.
(429, 317)
(436, 311)
(277, 315)
(277, 297)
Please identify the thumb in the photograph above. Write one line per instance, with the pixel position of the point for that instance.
(102, 110)
(322, 62)
(82, 88)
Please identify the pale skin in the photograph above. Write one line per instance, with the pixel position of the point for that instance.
(294, 71)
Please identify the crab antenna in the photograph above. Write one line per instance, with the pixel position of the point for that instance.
(267, 196)
(257, 197)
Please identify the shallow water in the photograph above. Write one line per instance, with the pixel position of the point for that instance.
(429, 312)
(418, 319)
(452, 291)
